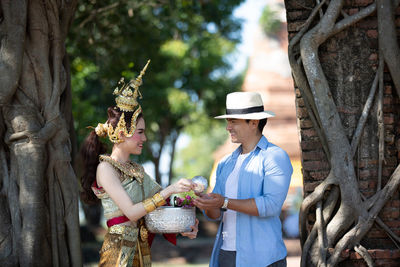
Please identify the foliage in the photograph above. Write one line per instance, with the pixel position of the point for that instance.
(196, 158)
(187, 42)
(269, 21)
(84, 102)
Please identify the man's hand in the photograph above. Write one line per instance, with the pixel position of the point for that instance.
(209, 201)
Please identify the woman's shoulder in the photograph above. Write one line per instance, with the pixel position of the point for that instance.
(105, 169)
(104, 165)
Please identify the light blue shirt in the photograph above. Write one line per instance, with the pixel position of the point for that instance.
(265, 176)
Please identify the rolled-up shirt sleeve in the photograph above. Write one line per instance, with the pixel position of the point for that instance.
(277, 173)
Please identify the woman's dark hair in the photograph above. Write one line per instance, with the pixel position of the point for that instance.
(92, 148)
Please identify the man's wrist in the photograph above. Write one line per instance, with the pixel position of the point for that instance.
(225, 204)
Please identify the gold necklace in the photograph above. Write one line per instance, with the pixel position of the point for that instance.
(129, 169)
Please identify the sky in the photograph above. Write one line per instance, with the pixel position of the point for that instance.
(250, 12)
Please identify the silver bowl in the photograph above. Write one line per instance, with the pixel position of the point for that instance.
(170, 220)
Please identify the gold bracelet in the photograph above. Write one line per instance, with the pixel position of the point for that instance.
(159, 200)
(149, 205)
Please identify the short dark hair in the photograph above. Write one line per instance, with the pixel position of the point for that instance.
(261, 124)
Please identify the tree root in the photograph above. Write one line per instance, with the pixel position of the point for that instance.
(395, 238)
(388, 45)
(364, 115)
(327, 212)
(364, 253)
(301, 80)
(10, 190)
(322, 243)
(12, 47)
(366, 221)
(311, 200)
(381, 125)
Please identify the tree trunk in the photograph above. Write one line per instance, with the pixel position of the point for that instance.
(338, 71)
(39, 191)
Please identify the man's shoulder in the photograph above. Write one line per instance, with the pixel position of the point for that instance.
(273, 149)
(274, 153)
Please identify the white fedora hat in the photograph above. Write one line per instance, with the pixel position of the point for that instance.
(246, 106)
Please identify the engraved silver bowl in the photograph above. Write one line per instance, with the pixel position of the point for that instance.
(168, 219)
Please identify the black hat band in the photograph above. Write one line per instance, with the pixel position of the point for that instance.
(244, 110)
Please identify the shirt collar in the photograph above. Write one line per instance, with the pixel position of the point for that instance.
(262, 144)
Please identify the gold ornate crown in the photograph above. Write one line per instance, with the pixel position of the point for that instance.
(127, 94)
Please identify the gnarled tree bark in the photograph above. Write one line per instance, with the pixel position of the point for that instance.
(39, 191)
(340, 224)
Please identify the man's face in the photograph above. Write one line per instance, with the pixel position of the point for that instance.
(239, 130)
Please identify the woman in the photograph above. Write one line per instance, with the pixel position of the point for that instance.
(127, 193)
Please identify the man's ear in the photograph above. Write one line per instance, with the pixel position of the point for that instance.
(254, 124)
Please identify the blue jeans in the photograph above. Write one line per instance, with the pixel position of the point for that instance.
(280, 263)
(228, 259)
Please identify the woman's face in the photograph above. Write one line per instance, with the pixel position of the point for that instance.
(134, 144)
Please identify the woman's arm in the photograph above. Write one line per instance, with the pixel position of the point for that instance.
(107, 178)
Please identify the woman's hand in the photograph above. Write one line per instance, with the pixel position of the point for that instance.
(193, 233)
(183, 185)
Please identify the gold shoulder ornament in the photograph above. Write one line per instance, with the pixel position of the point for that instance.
(129, 169)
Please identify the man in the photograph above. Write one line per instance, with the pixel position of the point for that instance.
(251, 186)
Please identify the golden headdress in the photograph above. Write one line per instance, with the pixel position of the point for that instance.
(127, 94)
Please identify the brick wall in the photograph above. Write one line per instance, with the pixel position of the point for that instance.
(350, 60)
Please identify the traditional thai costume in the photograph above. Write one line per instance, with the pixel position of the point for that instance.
(127, 244)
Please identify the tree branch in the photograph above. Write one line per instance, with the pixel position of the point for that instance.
(99, 11)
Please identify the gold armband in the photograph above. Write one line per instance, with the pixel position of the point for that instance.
(158, 200)
(149, 205)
